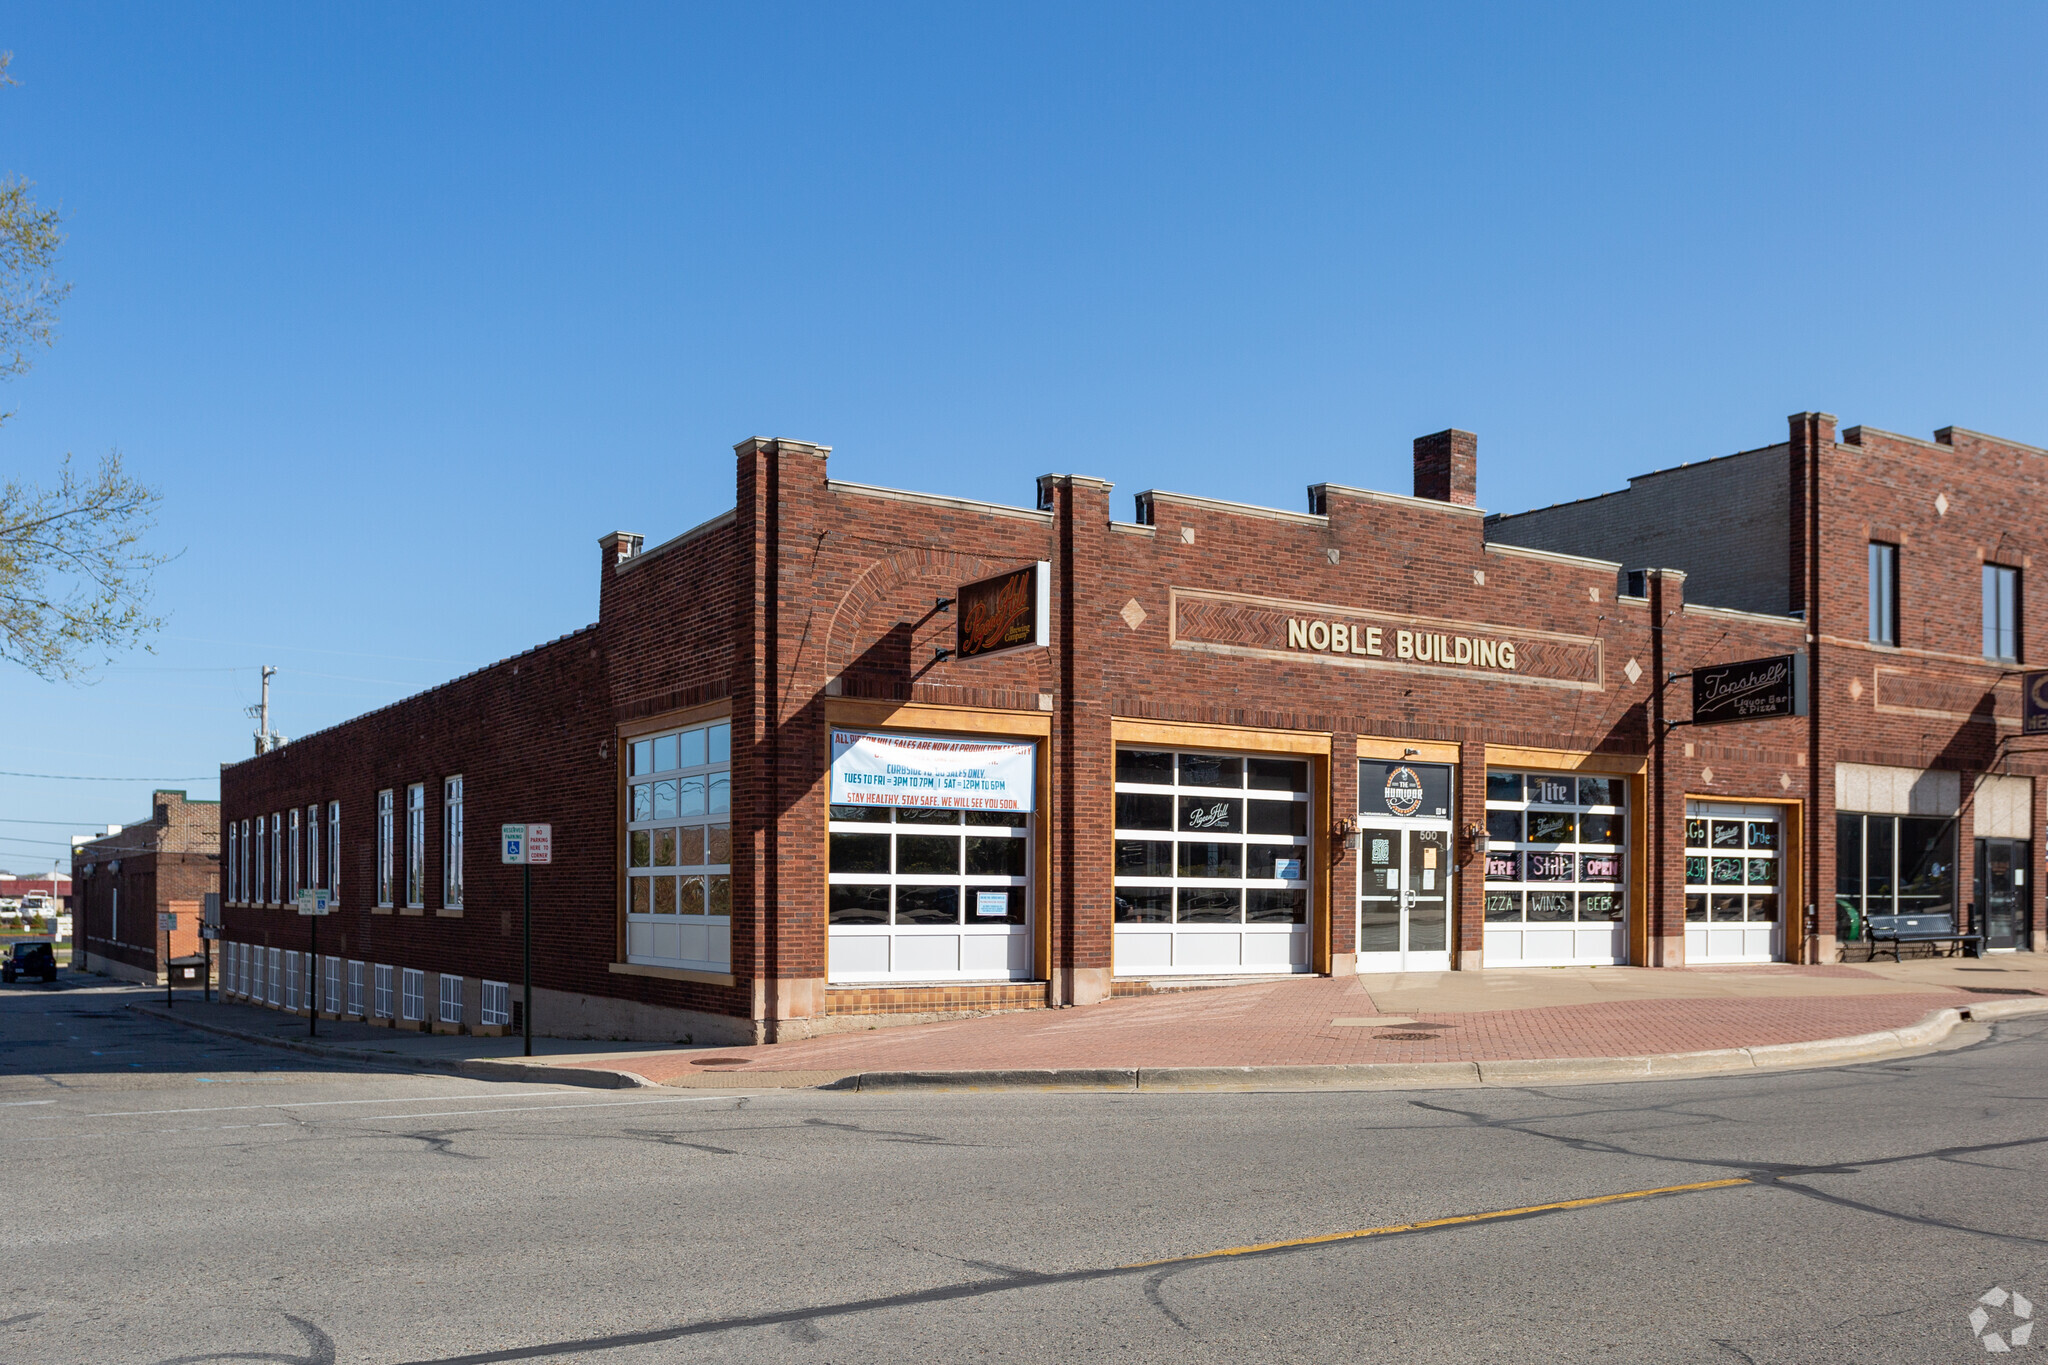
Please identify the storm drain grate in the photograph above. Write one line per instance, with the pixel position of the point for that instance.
(1406, 1037)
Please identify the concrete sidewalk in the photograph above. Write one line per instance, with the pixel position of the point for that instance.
(1428, 1028)
(561, 1061)
(1524, 1026)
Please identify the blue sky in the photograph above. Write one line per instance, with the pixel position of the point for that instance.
(404, 306)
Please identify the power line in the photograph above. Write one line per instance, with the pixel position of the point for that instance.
(66, 824)
(69, 777)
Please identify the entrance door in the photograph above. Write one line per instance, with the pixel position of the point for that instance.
(2003, 907)
(1404, 899)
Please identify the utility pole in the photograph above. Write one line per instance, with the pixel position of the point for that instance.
(266, 738)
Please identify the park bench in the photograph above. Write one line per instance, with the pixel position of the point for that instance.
(1925, 928)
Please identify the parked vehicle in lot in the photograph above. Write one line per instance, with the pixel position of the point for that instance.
(30, 959)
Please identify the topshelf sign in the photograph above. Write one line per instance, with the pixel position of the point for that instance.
(932, 772)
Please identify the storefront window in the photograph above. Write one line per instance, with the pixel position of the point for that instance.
(1210, 839)
(1732, 865)
(679, 848)
(1555, 848)
(928, 867)
(1892, 865)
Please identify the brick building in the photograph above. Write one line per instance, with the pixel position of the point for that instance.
(168, 863)
(1386, 733)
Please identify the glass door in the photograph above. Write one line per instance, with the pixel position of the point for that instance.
(1404, 899)
(2002, 898)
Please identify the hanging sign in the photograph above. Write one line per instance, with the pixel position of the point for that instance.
(932, 772)
(2034, 704)
(1755, 689)
(1010, 611)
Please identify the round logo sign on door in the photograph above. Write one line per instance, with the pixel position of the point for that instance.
(1404, 791)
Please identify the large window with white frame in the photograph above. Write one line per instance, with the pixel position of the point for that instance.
(277, 857)
(385, 832)
(929, 893)
(382, 997)
(412, 1002)
(416, 846)
(313, 846)
(451, 999)
(247, 893)
(334, 850)
(451, 843)
(1556, 869)
(355, 988)
(679, 848)
(1211, 862)
(292, 855)
(496, 1004)
(262, 823)
(234, 865)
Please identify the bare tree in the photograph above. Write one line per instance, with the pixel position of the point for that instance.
(74, 576)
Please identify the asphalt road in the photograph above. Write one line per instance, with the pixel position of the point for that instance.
(174, 1197)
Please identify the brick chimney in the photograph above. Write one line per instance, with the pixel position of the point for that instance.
(1447, 467)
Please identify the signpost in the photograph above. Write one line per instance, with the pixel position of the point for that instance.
(526, 845)
(314, 902)
(167, 921)
(209, 930)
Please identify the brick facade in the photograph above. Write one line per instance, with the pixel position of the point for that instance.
(168, 863)
(818, 602)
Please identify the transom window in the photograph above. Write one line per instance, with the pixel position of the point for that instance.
(1210, 838)
(1556, 848)
(1733, 863)
(679, 847)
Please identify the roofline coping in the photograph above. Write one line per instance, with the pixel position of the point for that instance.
(1766, 617)
(938, 500)
(1494, 547)
(1400, 499)
(678, 541)
(1234, 508)
(1987, 436)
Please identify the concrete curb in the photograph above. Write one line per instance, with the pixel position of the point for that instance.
(484, 1068)
(1862, 1047)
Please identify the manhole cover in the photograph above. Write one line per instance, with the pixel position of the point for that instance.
(717, 1061)
(1997, 990)
(1405, 1037)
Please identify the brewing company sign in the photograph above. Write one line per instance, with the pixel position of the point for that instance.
(1012, 610)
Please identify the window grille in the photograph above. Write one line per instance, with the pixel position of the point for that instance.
(383, 988)
(497, 1003)
(414, 1002)
(451, 999)
(355, 989)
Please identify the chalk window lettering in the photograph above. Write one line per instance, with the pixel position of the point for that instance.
(1727, 889)
(1556, 848)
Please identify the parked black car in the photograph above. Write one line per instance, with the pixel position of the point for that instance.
(30, 959)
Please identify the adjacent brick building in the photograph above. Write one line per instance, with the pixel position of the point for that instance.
(1385, 733)
(168, 863)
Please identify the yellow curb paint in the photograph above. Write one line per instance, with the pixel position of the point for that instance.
(1443, 1222)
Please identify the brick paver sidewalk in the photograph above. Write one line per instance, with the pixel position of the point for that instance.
(1310, 1021)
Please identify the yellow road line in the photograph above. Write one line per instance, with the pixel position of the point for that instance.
(1443, 1222)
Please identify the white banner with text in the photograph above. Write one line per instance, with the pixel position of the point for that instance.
(931, 772)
